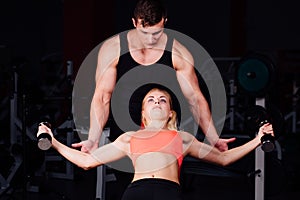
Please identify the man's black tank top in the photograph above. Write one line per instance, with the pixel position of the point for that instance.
(125, 64)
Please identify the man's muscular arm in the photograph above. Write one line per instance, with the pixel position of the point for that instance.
(188, 81)
(105, 79)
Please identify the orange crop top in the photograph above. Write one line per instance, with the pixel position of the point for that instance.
(166, 141)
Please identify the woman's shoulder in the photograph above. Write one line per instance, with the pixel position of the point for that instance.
(125, 137)
(186, 136)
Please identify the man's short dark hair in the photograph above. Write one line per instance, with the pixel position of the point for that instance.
(150, 12)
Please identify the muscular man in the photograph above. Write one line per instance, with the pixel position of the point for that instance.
(146, 45)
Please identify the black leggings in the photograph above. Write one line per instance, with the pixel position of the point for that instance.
(153, 189)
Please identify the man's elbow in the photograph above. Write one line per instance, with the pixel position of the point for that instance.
(101, 98)
(105, 98)
(196, 100)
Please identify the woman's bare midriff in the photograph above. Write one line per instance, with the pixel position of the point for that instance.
(156, 165)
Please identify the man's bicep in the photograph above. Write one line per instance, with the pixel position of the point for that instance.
(104, 88)
(188, 82)
(185, 71)
(107, 60)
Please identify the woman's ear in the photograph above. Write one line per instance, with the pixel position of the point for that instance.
(142, 114)
(171, 114)
(143, 119)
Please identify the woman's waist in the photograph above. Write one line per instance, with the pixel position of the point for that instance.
(147, 179)
(169, 172)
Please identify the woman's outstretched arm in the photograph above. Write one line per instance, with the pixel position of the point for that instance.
(211, 154)
(107, 153)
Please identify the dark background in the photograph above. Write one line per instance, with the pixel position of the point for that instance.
(37, 38)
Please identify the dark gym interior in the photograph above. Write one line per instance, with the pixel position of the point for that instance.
(44, 43)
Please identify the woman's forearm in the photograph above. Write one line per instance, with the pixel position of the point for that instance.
(79, 158)
(237, 153)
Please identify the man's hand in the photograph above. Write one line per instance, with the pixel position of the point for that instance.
(87, 146)
(222, 144)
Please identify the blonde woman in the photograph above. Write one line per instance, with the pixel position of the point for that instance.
(156, 150)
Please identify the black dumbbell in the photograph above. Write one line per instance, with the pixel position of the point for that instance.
(267, 140)
(44, 139)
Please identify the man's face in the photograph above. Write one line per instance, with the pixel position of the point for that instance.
(149, 35)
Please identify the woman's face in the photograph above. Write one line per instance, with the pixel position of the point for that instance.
(156, 106)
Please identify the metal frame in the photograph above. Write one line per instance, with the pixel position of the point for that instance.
(102, 176)
(260, 165)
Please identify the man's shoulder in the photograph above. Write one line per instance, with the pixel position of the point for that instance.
(110, 48)
(178, 45)
(116, 39)
(113, 41)
(181, 51)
